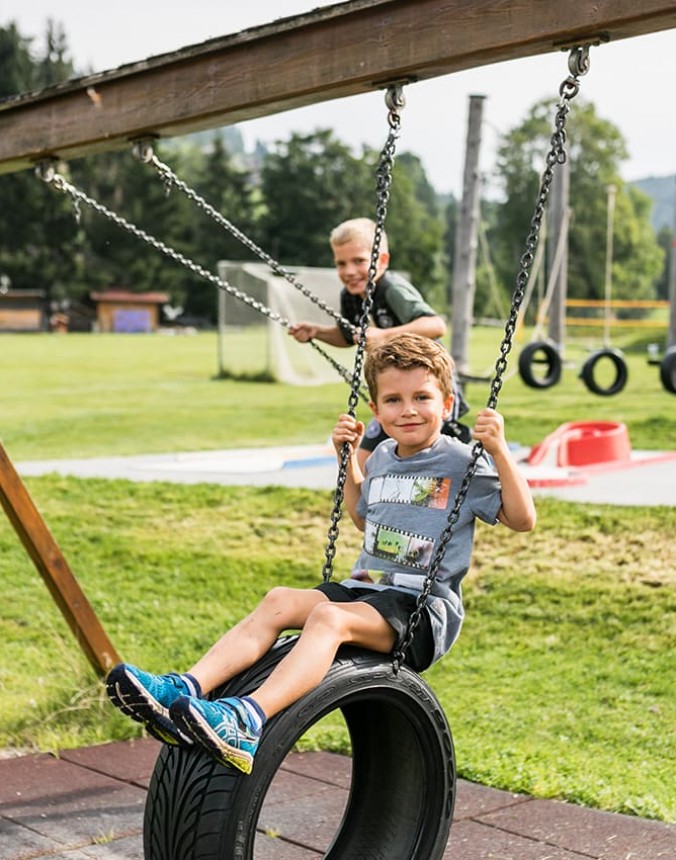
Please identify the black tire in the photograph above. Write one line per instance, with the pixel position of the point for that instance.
(540, 352)
(402, 793)
(621, 372)
(668, 370)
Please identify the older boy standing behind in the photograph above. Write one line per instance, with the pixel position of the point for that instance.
(397, 308)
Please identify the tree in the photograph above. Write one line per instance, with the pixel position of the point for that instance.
(313, 182)
(36, 226)
(415, 229)
(112, 256)
(309, 184)
(227, 188)
(595, 148)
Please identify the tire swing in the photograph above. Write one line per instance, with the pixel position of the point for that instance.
(402, 791)
(540, 353)
(589, 368)
(399, 806)
(668, 370)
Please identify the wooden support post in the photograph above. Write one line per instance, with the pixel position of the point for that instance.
(52, 566)
(464, 262)
(557, 264)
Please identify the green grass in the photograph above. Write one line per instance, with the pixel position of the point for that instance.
(84, 395)
(561, 684)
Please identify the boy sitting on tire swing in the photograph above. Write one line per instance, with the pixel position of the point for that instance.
(401, 504)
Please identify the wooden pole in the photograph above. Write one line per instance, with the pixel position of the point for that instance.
(671, 334)
(557, 241)
(52, 566)
(464, 262)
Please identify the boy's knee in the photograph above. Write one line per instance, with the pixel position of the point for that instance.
(328, 616)
(279, 596)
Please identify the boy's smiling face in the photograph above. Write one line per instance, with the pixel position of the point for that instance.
(411, 408)
(352, 261)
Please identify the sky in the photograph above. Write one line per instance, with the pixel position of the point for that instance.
(628, 82)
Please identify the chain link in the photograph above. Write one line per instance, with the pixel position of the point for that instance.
(556, 155)
(143, 151)
(383, 183)
(46, 171)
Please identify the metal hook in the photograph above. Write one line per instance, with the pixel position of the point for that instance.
(45, 169)
(395, 98)
(578, 60)
(142, 149)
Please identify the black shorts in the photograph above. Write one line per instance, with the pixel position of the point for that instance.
(396, 607)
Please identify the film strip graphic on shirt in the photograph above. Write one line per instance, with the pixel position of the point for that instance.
(419, 490)
(398, 546)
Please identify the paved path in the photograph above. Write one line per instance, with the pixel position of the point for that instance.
(88, 803)
(649, 478)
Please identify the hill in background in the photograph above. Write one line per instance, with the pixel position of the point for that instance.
(662, 189)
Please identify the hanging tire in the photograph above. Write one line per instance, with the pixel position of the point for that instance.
(621, 372)
(668, 370)
(540, 352)
(402, 792)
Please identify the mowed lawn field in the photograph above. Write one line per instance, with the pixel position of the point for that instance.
(561, 684)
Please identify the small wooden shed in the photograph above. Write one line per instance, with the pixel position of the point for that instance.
(22, 310)
(122, 311)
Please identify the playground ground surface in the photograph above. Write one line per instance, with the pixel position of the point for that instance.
(88, 803)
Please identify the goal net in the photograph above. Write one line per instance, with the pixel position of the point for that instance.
(252, 346)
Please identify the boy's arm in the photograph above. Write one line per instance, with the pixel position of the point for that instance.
(350, 431)
(433, 327)
(517, 510)
(305, 331)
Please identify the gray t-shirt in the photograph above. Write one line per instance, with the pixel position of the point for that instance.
(405, 504)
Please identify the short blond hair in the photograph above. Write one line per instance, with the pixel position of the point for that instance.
(363, 229)
(406, 352)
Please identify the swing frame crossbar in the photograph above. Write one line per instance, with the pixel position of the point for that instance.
(332, 52)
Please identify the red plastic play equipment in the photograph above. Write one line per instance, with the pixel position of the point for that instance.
(583, 443)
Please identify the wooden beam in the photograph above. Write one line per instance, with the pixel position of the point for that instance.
(330, 53)
(52, 566)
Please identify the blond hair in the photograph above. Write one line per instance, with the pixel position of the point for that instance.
(406, 352)
(362, 229)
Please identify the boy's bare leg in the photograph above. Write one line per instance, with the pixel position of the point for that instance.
(281, 609)
(329, 626)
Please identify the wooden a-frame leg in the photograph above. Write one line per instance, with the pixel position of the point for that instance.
(52, 566)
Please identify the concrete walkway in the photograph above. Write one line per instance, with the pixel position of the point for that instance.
(648, 478)
(88, 803)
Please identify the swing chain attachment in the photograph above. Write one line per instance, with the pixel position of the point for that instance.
(578, 65)
(556, 155)
(383, 184)
(578, 61)
(46, 170)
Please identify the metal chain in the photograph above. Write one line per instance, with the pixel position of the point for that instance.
(394, 100)
(143, 151)
(578, 65)
(46, 171)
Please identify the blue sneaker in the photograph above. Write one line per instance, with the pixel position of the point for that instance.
(221, 727)
(146, 698)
